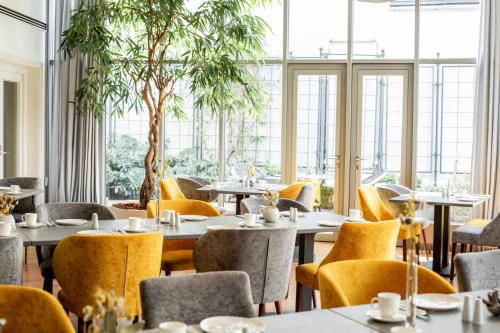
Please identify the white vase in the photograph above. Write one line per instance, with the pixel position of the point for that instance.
(9, 219)
(271, 214)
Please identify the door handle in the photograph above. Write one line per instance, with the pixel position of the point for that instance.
(358, 160)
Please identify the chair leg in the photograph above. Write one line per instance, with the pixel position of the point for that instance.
(262, 310)
(279, 307)
(81, 326)
(417, 251)
(315, 304)
(404, 250)
(471, 247)
(25, 254)
(425, 245)
(452, 268)
(298, 297)
(463, 248)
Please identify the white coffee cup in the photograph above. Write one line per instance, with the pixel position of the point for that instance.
(15, 188)
(251, 219)
(388, 303)
(29, 218)
(134, 223)
(355, 214)
(173, 327)
(5, 228)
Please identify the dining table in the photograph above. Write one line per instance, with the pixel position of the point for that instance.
(354, 319)
(442, 205)
(240, 190)
(308, 225)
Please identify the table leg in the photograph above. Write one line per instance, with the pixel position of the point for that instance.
(306, 255)
(239, 197)
(440, 240)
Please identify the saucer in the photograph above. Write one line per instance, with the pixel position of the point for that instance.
(135, 231)
(92, 232)
(256, 225)
(351, 219)
(375, 315)
(32, 226)
(330, 223)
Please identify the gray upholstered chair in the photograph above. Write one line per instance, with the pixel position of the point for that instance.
(306, 196)
(252, 205)
(11, 260)
(26, 205)
(478, 271)
(388, 191)
(475, 232)
(64, 210)
(192, 298)
(189, 186)
(265, 254)
(240, 171)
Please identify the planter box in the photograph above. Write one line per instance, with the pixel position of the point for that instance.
(123, 214)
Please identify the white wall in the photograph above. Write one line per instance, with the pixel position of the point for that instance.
(22, 49)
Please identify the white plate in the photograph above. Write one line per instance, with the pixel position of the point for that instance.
(71, 222)
(467, 199)
(92, 232)
(350, 219)
(330, 223)
(135, 231)
(437, 302)
(221, 227)
(286, 213)
(33, 226)
(226, 324)
(256, 225)
(376, 315)
(193, 217)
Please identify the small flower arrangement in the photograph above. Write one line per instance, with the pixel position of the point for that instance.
(251, 170)
(271, 198)
(107, 308)
(7, 204)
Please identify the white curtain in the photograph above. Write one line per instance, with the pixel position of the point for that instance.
(75, 156)
(486, 148)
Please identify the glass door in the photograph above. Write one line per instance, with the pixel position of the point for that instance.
(382, 107)
(317, 112)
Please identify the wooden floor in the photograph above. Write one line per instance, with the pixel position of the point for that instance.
(32, 274)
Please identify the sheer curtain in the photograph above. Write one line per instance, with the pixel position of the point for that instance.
(75, 145)
(486, 155)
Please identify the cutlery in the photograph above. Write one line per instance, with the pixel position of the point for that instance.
(421, 314)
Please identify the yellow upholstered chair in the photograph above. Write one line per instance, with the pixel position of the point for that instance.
(178, 254)
(31, 310)
(291, 191)
(170, 190)
(317, 191)
(83, 263)
(374, 210)
(355, 241)
(354, 282)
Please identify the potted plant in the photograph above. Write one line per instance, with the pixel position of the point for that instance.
(136, 52)
(7, 204)
(270, 212)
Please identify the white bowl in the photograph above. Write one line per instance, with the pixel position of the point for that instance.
(173, 327)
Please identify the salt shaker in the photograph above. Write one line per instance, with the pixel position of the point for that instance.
(95, 221)
(178, 220)
(295, 215)
(478, 317)
(467, 309)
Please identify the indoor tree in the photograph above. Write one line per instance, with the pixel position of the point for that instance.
(135, 52)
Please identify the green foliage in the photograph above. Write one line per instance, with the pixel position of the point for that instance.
(187, 163)
(124, 166)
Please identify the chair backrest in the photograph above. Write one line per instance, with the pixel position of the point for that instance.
(264, 254)
(365, 241)
(240, 170)
(316, 184)
(372, 206)
(170, 189)
(478, 271)
(199, 180)
(189, 188)
(399, 189)
(73, 210)
(386, 194)
(82, 263)
(291, 191)
(490, 236)
(354, 282)
(306, 196)
(26, 205)
(192, 298)
(252, 205)
(183, 206)
(11, 260)
(29, 309)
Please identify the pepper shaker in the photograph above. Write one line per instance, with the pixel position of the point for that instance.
(467, 309)
(478, 317)
(178, 220)
(95, 221)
